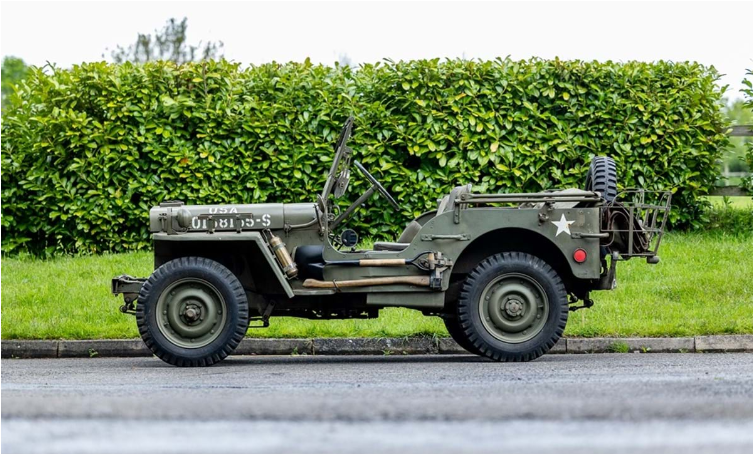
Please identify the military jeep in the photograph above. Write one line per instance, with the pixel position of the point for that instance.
(502, 270)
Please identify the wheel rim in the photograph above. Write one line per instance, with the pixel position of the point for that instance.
(191, 313)
(514, 308)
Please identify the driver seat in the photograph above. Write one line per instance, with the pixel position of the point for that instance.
(447, 203)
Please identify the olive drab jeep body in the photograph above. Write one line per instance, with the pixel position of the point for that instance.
(502, 270)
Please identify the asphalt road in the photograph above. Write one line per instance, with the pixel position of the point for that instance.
(621, 403)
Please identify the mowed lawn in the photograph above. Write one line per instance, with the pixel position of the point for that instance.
(702, 286)
(734, 202)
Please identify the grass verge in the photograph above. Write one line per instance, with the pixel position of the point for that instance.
(734, 202)
(702, 286)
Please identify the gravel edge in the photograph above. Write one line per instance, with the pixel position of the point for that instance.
(376, 346)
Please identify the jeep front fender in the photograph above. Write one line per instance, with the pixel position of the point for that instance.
(198, 244)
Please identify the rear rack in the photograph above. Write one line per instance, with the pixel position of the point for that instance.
(635, 221)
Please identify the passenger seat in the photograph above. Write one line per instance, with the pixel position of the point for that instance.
(411, 230)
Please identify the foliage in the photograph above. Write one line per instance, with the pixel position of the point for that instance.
(92, 148)
(738, 113)
(748, 92)
(729, 218)
(619, 347)
(14, 70)
(650, 300)
(168, 44)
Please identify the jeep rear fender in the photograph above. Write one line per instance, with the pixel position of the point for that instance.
(483, 232)
(513, 240)
(246, 254)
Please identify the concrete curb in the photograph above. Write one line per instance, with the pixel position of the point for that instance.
(376, 346)
(631, 344)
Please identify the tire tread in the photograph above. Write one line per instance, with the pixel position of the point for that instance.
(235, 287)
(465, 302)
(602, 177)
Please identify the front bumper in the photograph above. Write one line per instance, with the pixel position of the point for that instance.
(129, 287)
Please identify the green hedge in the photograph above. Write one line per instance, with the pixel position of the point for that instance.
(748, 93)
(87, 151)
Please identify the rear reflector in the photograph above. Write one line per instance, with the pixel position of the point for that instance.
(579, 255)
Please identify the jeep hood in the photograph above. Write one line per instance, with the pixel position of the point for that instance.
(175, 217)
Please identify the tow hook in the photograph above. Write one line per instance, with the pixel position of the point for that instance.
(129, 287)
(128, 307)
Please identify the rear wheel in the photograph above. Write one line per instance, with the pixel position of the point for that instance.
(602, 177)
(513, 307)
(192, 311)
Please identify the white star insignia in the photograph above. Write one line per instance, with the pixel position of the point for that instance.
(563, 225)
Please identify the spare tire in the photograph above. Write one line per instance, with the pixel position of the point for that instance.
(602, 177)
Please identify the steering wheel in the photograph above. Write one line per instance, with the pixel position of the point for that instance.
(377, 185)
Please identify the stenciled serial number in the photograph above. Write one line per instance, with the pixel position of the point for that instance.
(230, 222)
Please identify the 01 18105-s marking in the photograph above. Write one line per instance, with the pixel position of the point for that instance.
(198, 223)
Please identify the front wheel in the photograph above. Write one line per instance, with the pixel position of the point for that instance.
(458, 335)
(513, 307)
(192, 311)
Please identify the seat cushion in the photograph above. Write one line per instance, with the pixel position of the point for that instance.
(410, 232)
(413, 227)
(448, 202)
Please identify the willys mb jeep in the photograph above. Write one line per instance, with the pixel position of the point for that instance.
(502, 270)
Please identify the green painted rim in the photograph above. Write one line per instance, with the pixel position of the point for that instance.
(191, 313)
(514, 308)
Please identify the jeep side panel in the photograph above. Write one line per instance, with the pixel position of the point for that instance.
(470, 235)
